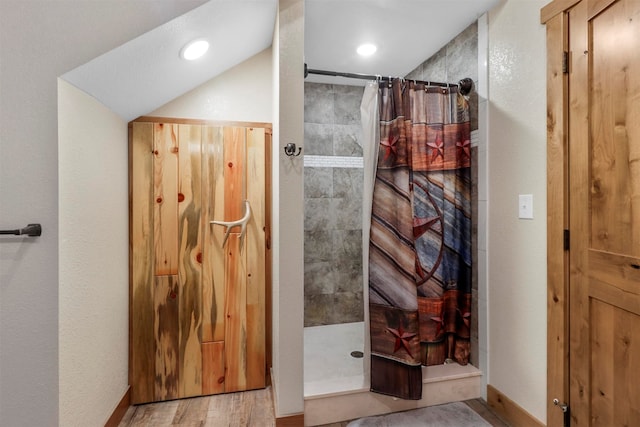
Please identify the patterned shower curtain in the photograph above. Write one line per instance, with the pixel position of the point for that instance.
(420, 236)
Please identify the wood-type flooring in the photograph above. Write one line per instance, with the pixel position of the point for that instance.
(242, 409)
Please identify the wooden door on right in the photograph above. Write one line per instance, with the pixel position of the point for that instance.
(604, 212)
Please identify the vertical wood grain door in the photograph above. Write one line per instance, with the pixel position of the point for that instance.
(604, 211)
(197, 308)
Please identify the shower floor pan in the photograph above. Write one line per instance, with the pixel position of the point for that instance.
(334, 383)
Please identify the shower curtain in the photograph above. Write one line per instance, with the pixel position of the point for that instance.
(420, 236)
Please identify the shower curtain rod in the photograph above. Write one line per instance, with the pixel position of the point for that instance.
(465, 85)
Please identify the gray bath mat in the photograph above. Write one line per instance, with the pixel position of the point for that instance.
(455, 414)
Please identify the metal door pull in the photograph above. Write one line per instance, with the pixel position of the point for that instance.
(242, 222)
(31, 230)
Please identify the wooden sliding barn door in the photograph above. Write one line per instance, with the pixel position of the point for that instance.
(602, 168)
(197, 311)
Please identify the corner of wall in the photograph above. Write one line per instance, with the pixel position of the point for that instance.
(288, 304)
(483, 120)
(516, 248)
(275, 208)
(93, 298)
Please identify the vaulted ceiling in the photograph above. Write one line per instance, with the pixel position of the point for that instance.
(147, 72)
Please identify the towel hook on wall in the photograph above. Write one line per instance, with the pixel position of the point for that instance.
(290, 150)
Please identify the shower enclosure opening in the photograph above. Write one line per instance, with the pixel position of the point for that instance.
(333, 279)
(336, 299)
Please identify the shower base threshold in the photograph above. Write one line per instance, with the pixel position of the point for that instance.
(334, 387)
(441, 384)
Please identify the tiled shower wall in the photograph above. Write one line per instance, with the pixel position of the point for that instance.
(333, 178)
(457, 60)
(333, 187)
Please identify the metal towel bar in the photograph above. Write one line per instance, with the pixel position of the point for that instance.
(31, 230)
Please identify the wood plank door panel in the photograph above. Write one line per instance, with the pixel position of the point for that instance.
(167, 337)
(165, 212)
(605, 212)
(235, 347)
(213, 260)
(213, 367)
(141, 268)
(190, 258)
(255, 242)
(197, 307)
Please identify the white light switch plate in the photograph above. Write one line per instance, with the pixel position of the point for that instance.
(525, 206)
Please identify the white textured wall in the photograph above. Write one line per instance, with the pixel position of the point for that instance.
(39, 41)
(243, 93)
(94, 245)
(483, 135)
(288, 278)
(517, 284)
(275, 211)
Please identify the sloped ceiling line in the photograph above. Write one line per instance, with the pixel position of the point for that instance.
(147, 72)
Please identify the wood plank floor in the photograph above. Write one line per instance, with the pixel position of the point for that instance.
(244, 409)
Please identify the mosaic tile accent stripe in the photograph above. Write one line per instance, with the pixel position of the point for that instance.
(333, 162)
(311, 161)
(475, 137)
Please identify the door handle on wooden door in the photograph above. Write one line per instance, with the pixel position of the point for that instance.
(242, 223)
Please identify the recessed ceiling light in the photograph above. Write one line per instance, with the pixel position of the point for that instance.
(194, 50)
(366, 49)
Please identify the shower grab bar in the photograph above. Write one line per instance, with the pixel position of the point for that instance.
(31, 230)
(242, 222)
